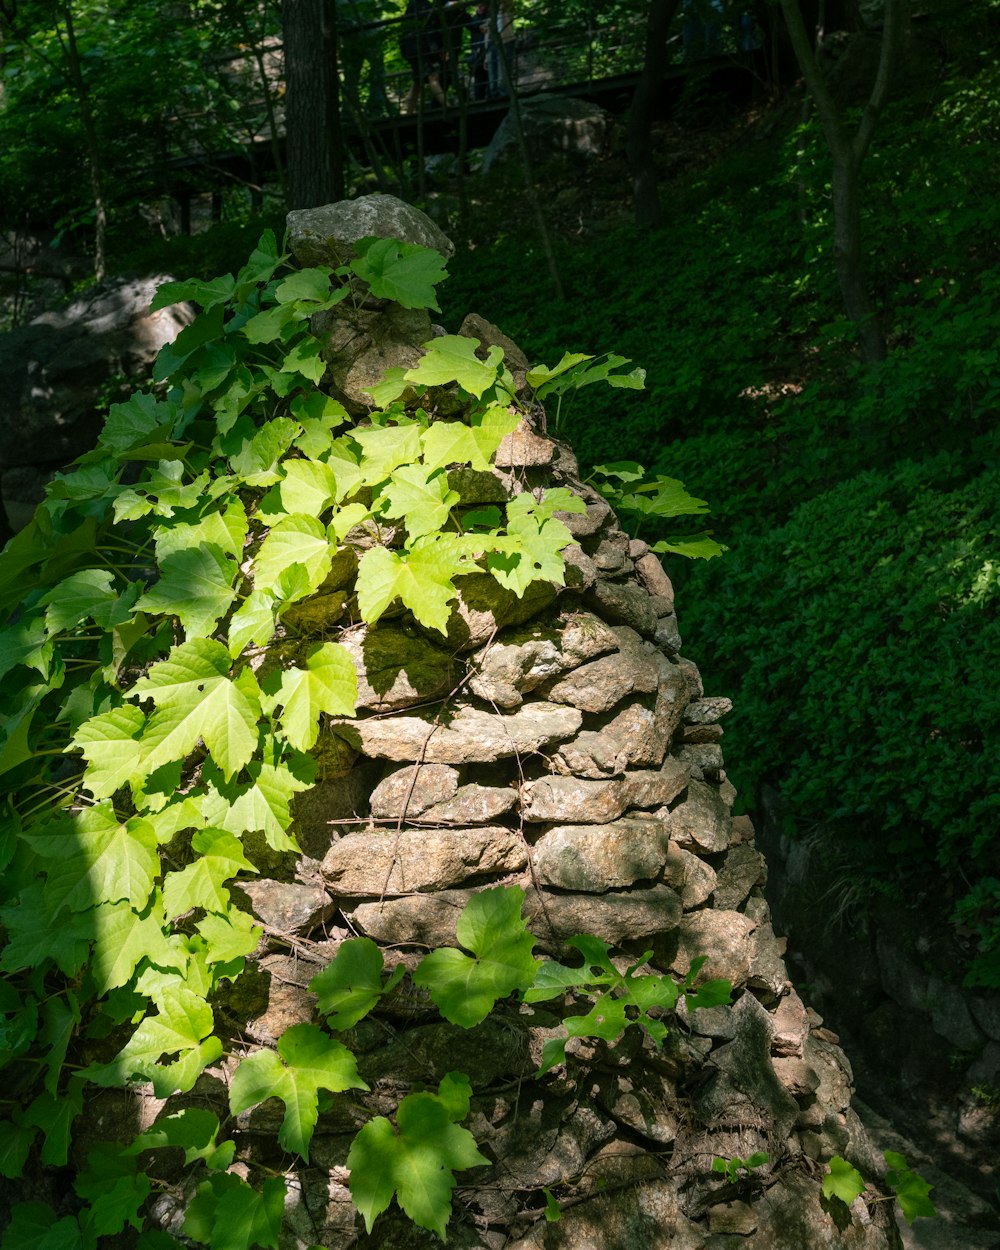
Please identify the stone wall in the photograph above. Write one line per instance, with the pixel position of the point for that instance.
(560, 742)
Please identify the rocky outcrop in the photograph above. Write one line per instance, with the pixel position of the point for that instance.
(557, 742)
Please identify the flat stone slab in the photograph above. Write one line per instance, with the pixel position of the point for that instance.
(468, 737)
(430, 919)
(598, 802)
(596, 858)
(396, 862)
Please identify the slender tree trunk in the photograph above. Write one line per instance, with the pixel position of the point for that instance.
(260, 60)
(645, 192)
(522, 143)
(314, 152)
(847, 154)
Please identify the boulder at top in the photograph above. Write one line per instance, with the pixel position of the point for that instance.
(326, 235)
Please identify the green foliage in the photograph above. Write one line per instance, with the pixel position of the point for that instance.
(911, 1190)
(141, 757)
(845, 1183)
(417, 1160)
(735, 1169)
(351, 985)
(619, 998)
(312, 1061)
(465, 988)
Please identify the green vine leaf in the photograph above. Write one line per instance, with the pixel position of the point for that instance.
(202, 883)
(384, 449)
(452, 358)
(421, 578)
(404, 272)
(843, 1181)
(262, 802)
(351, 985)
(94, 856)
(123, 939)
(465, 988)
(35, 1226)
(454, 442)
(298, 539)
(109, 742)
(196, 700)
(193, 1130)
(912, 1191)
(182, 1027)
(34, 937)
(328, 683)
(115, 1189)
(229, 1214)
(312, 1061)
(421, 497)
(417, 1163)
(54, 1113)
(196, 586)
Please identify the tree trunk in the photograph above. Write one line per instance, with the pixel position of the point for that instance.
(847, 154)
(74, 72)
(314, 151)
(645, 192)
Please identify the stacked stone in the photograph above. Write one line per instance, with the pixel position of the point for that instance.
(559, 742)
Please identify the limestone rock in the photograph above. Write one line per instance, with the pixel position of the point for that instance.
(623, 603)
(523, 448)
(725, 938)
(570, 799)
(594, 859)
(666, 634)
(703, 759)
(655, 579)
(396, 862)
(741, 870)
(693, 879)
(556, 127)
(508, 670)
(702, 822)
(613, 916)
(288, 907)
(484, 606)
(326, 235)
(673, 690)
(583, 524)
(601, 684)
(707, 711)
(397, 667)
(473, 804)
(55, 367)
(632, 737)
(489, 335)
(470, 736)
(791, 1027)
(410, 790)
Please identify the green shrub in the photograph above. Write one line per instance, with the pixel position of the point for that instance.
(862, 637)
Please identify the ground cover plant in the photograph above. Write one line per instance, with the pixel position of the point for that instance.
(857, 502)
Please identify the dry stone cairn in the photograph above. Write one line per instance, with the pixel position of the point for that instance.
(562, 743)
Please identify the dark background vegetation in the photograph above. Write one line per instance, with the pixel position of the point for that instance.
(854, 618)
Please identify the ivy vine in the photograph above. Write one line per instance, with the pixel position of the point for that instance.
(138, 746)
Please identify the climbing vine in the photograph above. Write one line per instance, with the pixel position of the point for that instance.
(139, 746)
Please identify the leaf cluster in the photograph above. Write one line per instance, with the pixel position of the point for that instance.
(147, 762)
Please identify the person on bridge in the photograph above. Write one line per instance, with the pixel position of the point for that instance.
(500, 46)
(422, 44)
(360, 43)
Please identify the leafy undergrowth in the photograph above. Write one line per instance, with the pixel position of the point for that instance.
(854, 620)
